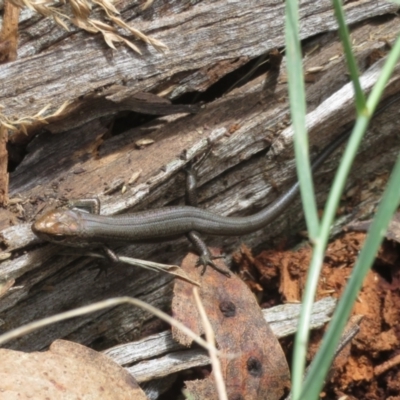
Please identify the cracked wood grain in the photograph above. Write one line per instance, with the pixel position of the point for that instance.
(243, 174)
(77, 65)
(156, 356)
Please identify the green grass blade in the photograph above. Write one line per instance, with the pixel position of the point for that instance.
(391, 199)
(364, 116)
(321, 364)
(298, 113)
(351, 60)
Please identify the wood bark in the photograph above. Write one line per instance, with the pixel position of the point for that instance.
(251, 163)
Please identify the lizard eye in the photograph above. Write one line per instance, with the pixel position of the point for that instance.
(58, 238)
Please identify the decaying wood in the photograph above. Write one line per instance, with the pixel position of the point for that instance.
(158, 356)
(250, 164)
(3, 166)
(351, 329)
(259, 369)
(9, 32)
(77, 64)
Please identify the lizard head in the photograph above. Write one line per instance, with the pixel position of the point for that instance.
(60, 226)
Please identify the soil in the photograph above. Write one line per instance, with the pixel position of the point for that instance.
(370, 368)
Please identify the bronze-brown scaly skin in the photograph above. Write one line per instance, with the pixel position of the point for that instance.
(78, 228)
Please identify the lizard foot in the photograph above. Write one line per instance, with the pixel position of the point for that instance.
(206, 260)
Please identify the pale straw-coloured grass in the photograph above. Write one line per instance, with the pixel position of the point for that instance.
(77, 12)
(22, 124)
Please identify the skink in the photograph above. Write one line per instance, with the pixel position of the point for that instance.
(77, 228)
(72, 227)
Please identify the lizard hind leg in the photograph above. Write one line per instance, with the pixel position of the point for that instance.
(205, 256)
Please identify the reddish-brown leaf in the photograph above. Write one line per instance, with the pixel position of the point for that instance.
(259, 369)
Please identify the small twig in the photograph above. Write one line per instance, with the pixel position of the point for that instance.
(380, 369)
(33, 326)
(174, 270)
(210, 337)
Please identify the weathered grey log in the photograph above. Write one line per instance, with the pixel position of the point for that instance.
(140, 356)
(206, 39)
(243, 173)
(155, 360)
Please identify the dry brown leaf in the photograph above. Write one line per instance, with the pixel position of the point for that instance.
(66, 370)
(259, 369)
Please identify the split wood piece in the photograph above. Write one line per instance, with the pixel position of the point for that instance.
(258, 367)
(9, 32)
(88, 170)
(111, 101)
(242, 175)
(392, 232)
(3, 166)
(155, 356)
(76, 64)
